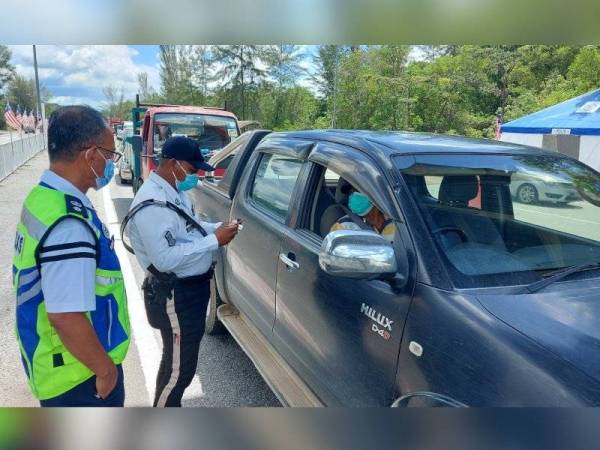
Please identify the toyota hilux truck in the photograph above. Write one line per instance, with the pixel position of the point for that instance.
(476, 299)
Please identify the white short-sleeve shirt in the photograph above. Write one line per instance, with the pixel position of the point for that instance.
(68, 258)
(160, 237)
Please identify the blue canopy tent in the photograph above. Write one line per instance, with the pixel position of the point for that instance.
(571, 127)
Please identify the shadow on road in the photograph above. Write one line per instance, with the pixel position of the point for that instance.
(122, 207)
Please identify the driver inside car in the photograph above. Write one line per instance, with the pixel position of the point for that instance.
(363, 207)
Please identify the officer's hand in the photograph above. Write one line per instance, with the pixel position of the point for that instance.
(226, 232)
(106, 383)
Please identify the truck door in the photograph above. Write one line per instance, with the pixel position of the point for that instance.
(262, 202)
(341, 335)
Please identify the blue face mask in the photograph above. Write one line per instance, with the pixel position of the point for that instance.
(190, 181)
(359, 204)
(109, 172)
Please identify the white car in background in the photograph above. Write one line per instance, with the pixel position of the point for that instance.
(125, 131)
(531, 190)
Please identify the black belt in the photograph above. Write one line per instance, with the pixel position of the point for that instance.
(172, 278)
(197, 278)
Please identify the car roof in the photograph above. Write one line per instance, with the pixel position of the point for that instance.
(387, 143)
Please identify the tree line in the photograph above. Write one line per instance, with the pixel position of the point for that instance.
(456, 89)
(444, 89)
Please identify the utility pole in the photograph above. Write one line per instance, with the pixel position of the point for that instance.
(37, 88)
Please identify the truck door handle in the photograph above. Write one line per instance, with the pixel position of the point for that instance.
(288, 260)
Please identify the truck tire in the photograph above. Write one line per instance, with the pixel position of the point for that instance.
(213, 325)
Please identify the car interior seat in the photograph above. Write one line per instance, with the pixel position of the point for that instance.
(336, 211)
(453, 213)
(458, 190)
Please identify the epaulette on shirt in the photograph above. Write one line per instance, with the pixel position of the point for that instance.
(75, 206)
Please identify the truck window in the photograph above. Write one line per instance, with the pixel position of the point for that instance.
(225, 163)
(212, 132)
(327, 201)
(274, 182)
(534, 214)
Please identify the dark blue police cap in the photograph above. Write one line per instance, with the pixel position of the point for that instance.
(187, 149)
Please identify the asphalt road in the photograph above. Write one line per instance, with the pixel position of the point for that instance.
(225, 376)
(579, 218)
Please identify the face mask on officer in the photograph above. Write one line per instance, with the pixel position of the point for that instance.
(189, 182)
(108, 173)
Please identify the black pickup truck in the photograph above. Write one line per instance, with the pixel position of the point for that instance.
(478, 298)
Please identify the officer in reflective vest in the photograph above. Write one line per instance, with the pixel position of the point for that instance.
(71, 319)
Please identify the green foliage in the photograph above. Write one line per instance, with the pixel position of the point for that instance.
(447, 89)
(21, 91)
(238, 67)
(7, 70)
(116, 105)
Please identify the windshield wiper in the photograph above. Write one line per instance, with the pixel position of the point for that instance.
(558, 275)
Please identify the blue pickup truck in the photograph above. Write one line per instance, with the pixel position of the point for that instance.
(477, 299)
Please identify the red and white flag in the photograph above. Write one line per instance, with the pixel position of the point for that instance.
(10, 118)
(30, 120)
(19, 116)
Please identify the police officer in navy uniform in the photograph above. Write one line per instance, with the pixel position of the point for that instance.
(175, 248)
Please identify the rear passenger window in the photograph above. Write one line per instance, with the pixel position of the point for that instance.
(274, 182)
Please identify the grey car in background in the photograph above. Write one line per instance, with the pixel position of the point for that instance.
(531, 190)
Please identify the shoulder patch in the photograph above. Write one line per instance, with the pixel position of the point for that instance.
(170, 239)
(74, 205)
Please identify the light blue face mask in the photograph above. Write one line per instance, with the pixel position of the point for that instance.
(190, 182)
(359, 204)
(109, 172)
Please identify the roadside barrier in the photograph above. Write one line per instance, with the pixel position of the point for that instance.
(18, 151)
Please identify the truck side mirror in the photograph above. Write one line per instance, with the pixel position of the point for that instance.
(357, 254)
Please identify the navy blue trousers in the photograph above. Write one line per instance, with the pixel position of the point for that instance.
(85, 395)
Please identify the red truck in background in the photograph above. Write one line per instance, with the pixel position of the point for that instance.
(114, 122)
(213, 128)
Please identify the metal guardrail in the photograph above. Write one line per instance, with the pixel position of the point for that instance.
(18, 151)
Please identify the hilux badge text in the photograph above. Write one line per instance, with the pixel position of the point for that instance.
(376, 317)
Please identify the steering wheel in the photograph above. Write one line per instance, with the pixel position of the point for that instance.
(443, 230)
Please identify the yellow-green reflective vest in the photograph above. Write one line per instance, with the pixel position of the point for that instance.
(50, 368)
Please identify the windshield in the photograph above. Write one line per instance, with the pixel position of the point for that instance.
(507, 219)
(212, 132)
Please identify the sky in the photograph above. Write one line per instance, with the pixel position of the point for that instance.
(77, 73)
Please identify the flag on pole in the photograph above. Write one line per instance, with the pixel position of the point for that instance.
(30, 120)
(10, 118)
(498, 126)
(19, 116)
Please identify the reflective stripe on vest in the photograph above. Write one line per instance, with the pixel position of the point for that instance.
(34, 227)
(50, 368)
